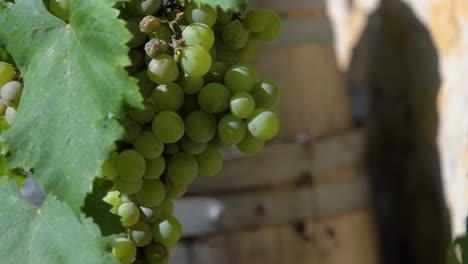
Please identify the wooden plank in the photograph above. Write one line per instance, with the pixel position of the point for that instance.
(284, 162)
(282, 6)
(347, 238)
(269, 207)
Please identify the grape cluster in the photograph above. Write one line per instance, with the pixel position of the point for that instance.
(200, 97)
(10, 91)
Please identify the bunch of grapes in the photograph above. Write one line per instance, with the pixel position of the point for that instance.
(10, 91)
(200, 97)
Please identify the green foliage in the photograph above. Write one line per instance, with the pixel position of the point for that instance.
(458, 252)
(50, 234)
(75, 86)
(226, 5)
(4, 171)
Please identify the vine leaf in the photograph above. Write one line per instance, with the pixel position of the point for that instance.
(75, 87)
(50, 234)
(4, 171)
(226, 5)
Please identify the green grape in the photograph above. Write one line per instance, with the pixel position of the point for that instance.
(156, 47)
(248, 51)
(129, 214)
(182, 168)
(127, 187)
(228, 58)
(266, 94)
(257, 20)
(154, 168)
(171, 149)
(132, 129)
(151, 194)
(213, 52)
(223, 17)
(61, 9)
(231, 129)
(168, 97)
(163, 32)
(145, 84)
(168, 126)
(167, 207)
(108, 170)
(272, 28)
(250, 144)
(129, 198)
(200, 126)
(210, 162)
(200, 14)
(234, 35)
(11, 93)
(167, 231)
(195, 61)
(176, 191)
(191, 146)
(150, 215)
(190, 85)
(156, 253)
(218, 144)
(124, 251)
(140, 234)
(139, 38)
(130, 165)
(140, 8)
(163, 69)
(199, 34)
(7, 72)
(214, 98)
(144, 116)
(217, 72)
(241, 78)
(148, 145)
(10, 115)
(113, 198)
(263, 124)
(149, 24)
(242, 105)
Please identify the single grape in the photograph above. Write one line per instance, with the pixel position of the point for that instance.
(231, 129)
(257, 20)
(167, 231)
(144, 116)
(113, 198)
(11, 93)
(272, 28)
(61, 9)
(248, 51)
(168, 97)
(7, 72)
(200, 126)
(132, 129)
(190, 85)
(195, 61)
(191, 146)
(217, 72)
(156, 47)
(129, 214)
(200, 14)
(234, 35)
(199, 34)
(150, 215)
(168, 126)
(140, 234)
(139, 38)
(163, 32)
(130, 165)
(148, 145)
(154, 168)
(163, 69)
(10, 115)
(140, 8)
(250, 144)
(266, 94)
(210, 162)
(223, 17)
(151, 194)
(124, 250)
(228, 58)
(171, 149)
(149, 24)
(167, 207)
(176, 191)
(108, 170)
(214, 98)
(241, 78)
(127, 187)
(263, 124)
(182, 168)
(156, 253)
(242, 105)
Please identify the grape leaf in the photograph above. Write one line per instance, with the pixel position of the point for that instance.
(50, 234)
(75, 87)
(226, 5)
(4, 171)
(99, 210)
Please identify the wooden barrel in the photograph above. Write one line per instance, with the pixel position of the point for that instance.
(304, 199)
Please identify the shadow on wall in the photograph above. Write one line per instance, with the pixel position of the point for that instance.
(394, 70)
